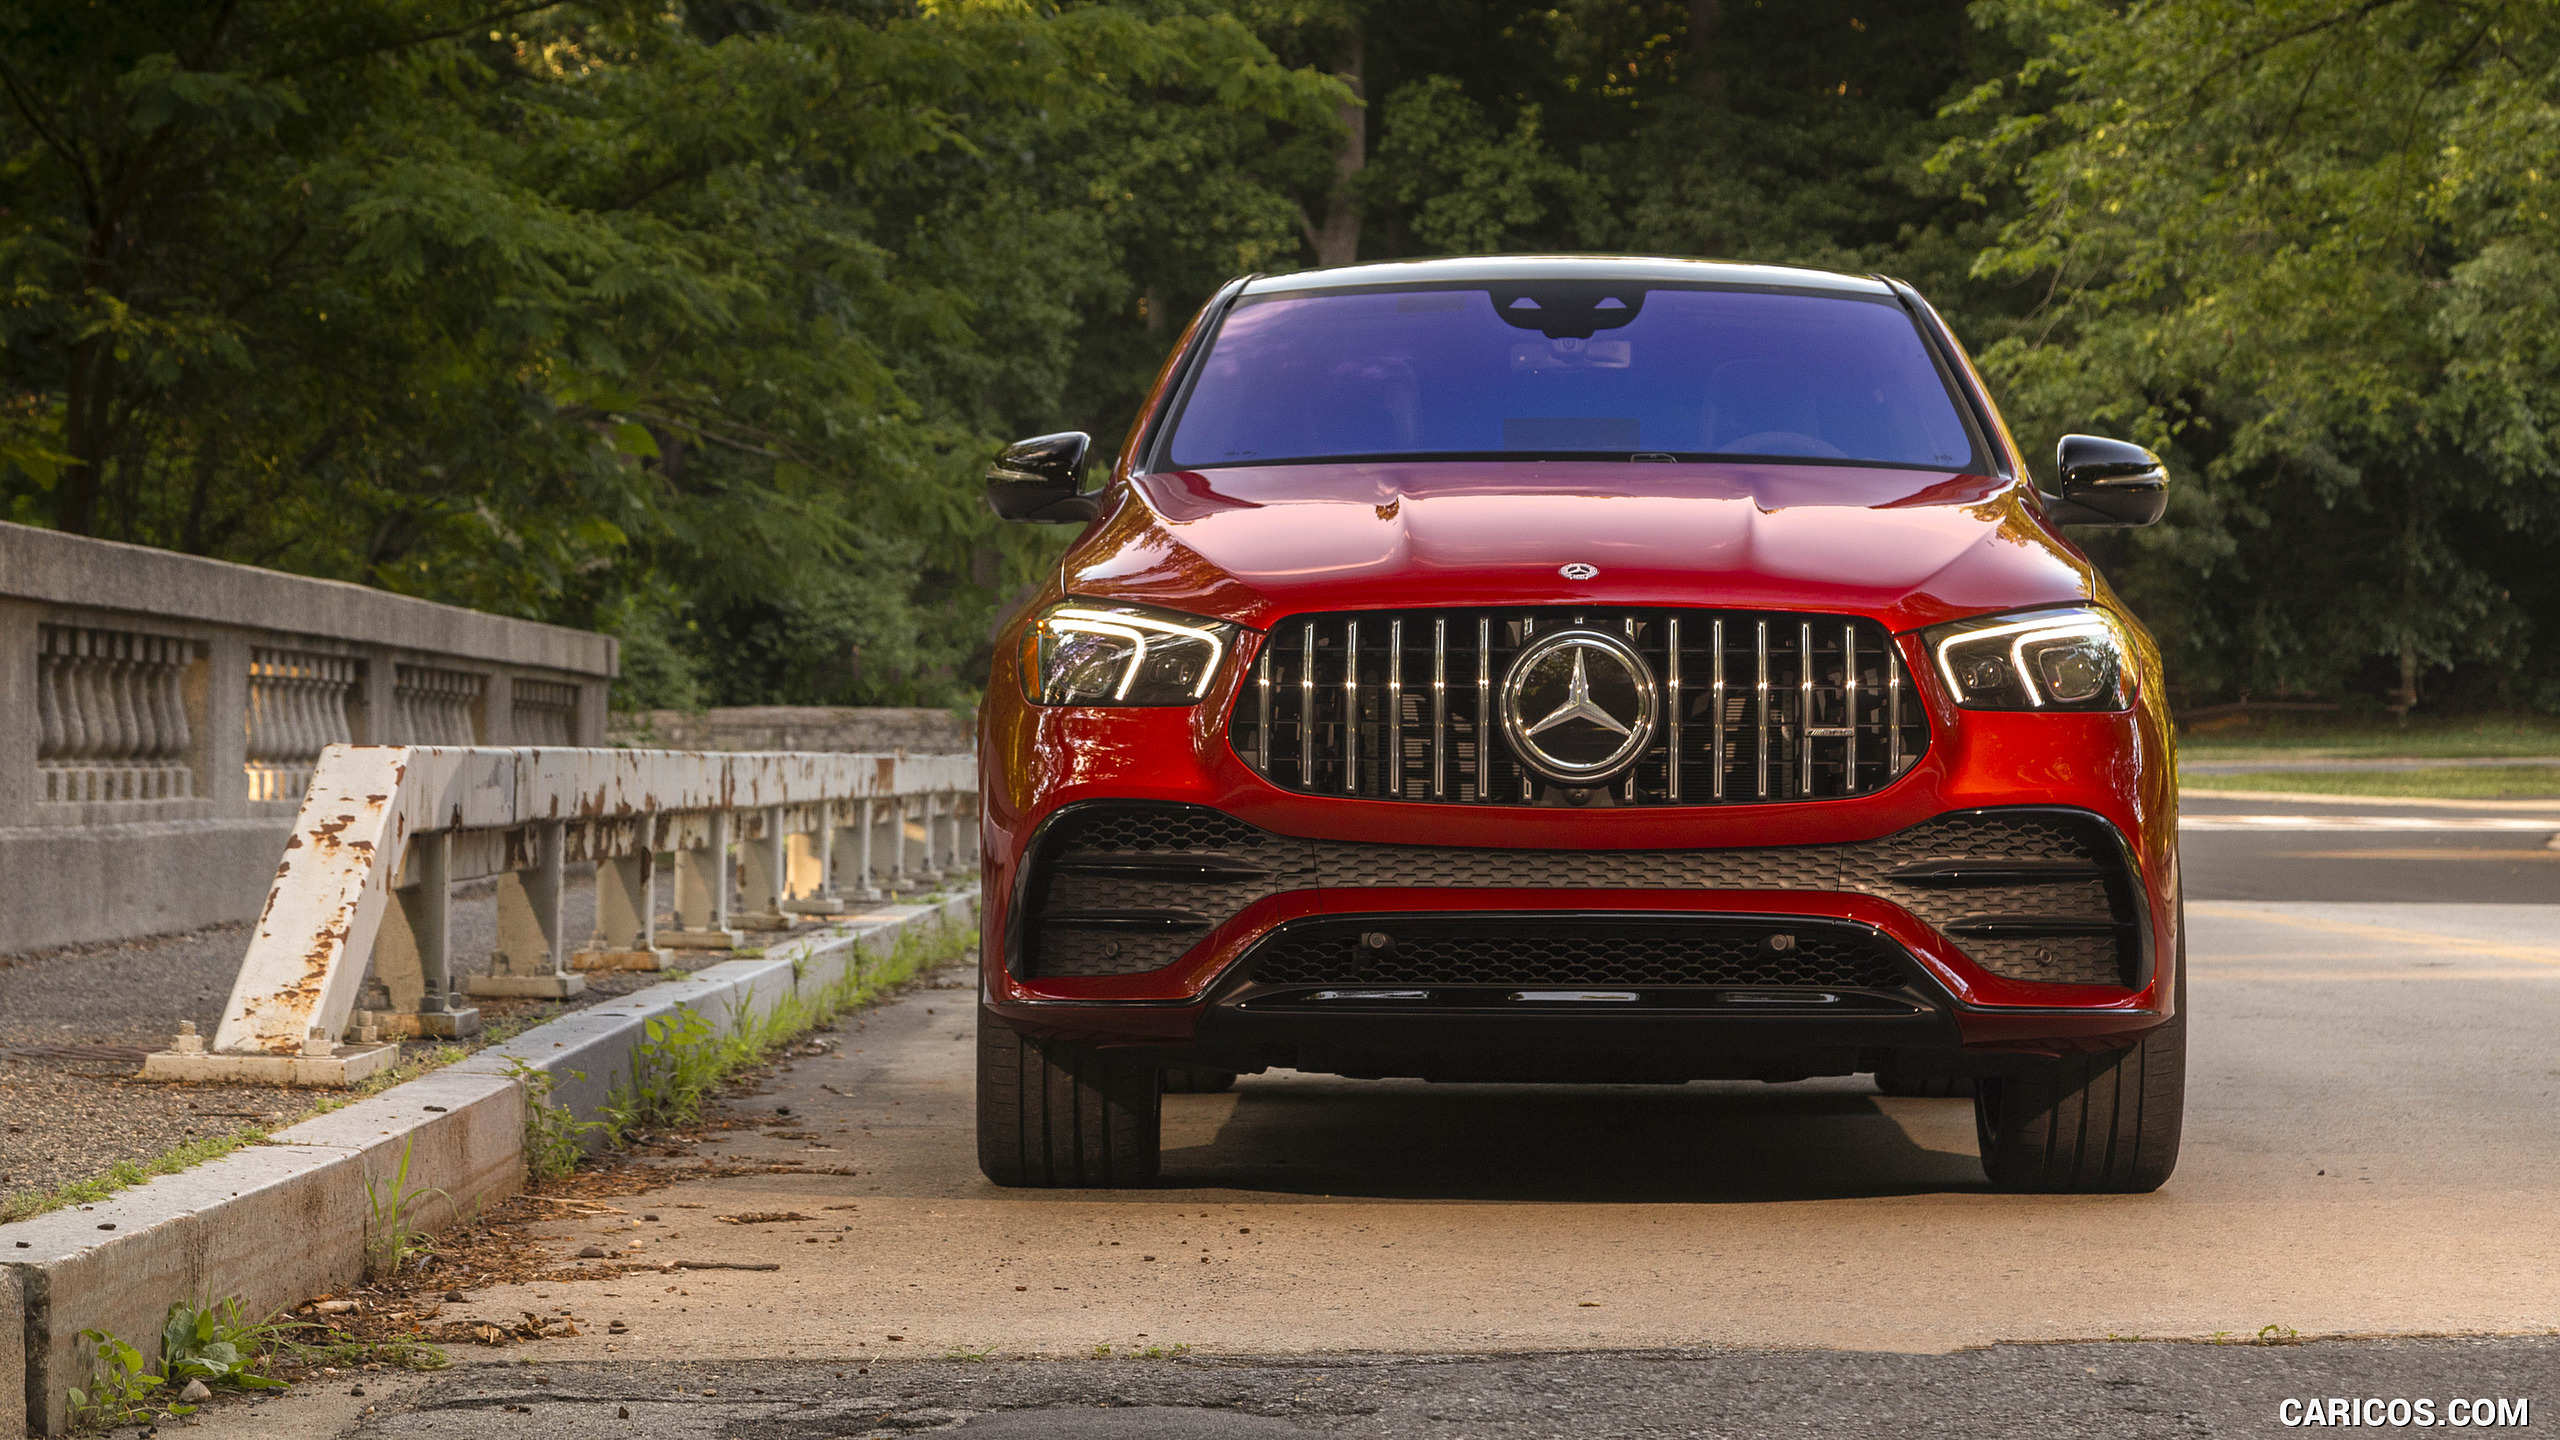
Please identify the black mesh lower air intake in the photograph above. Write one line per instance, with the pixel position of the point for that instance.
(2033, 893)
(1630, 952)
(1125, 888)
(2028, 894)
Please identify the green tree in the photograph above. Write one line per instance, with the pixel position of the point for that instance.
(2306, 246)
(664, 321)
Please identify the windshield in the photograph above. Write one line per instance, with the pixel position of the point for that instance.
(1575, 369)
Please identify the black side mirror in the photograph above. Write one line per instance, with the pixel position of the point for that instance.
(2108, 482)
(1041, 480)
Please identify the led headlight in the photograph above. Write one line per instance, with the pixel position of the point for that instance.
(1102, 652)
(2065, 659)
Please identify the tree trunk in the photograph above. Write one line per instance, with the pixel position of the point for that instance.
(1704, 76)
(2405, 699)
(1338, 238)
(75, 492)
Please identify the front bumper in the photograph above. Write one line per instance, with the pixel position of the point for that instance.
(1201, 1005)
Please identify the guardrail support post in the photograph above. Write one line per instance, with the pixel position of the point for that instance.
(412, 956)
(702, 891)
(859, 884)
(764, 875)
(532, 944)
(951, 866)
(828, 898)
(626, 935)
(928, 871)
(899, 808)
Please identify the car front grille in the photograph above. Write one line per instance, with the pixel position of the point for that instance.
(1757, 706)
(1585, 951)
(2028, 893)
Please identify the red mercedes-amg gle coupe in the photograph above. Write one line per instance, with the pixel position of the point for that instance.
(1578, 669)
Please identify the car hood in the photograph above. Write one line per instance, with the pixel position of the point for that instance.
(1252, 544)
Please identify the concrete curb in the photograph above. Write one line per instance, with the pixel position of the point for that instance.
(280, 1222)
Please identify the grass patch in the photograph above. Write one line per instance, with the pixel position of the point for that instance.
(681, 1058)
(125, 1174)
(684, 1064)
(397, 1353)
(2338, 737)
(2520, 782)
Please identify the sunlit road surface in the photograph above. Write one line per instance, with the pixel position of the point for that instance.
(2371, 1150)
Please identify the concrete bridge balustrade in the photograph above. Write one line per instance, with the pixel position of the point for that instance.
(161, 714)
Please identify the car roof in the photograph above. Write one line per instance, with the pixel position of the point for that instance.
(1480, 269)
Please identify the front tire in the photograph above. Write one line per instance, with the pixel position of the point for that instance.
(1192, 1080)
(2105, 1124)
(1910, 1085)
(1058, 1116)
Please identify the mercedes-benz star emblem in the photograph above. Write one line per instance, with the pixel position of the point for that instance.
(1578, 706)
(1578, 571)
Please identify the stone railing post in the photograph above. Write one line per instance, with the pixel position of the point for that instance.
(928, 871)
(899, 807)
(413, 955)
(828, 897)
(626, 934)
(857, 883)
(764, 875)
(532, 949)
(703, 889)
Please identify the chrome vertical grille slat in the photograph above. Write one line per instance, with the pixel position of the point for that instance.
(1394, 758)
(1820, 698)
(1307, 711)
(1716, 724)
(1439, 706)
(1484, 709)
(1671, 690)
(1262, 736)
(1849, 684)
(1804, 703)
(1762, 686)
(1351, 708)
(1893, 715)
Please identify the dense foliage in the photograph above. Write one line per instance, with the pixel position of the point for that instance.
(697, 323)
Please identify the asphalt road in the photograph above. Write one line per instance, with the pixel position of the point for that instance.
(2436, 853)
(2370, 1154)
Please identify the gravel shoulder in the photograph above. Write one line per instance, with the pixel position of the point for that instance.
(75, 1023)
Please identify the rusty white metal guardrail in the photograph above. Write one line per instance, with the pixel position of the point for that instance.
(385, 832)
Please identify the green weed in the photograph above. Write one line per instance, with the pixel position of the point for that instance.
(554, 1137)
(391, 1236)
(682, 1058)
(119, 1388)
(398, 1352)
(218, 1345)
(672, 1069)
